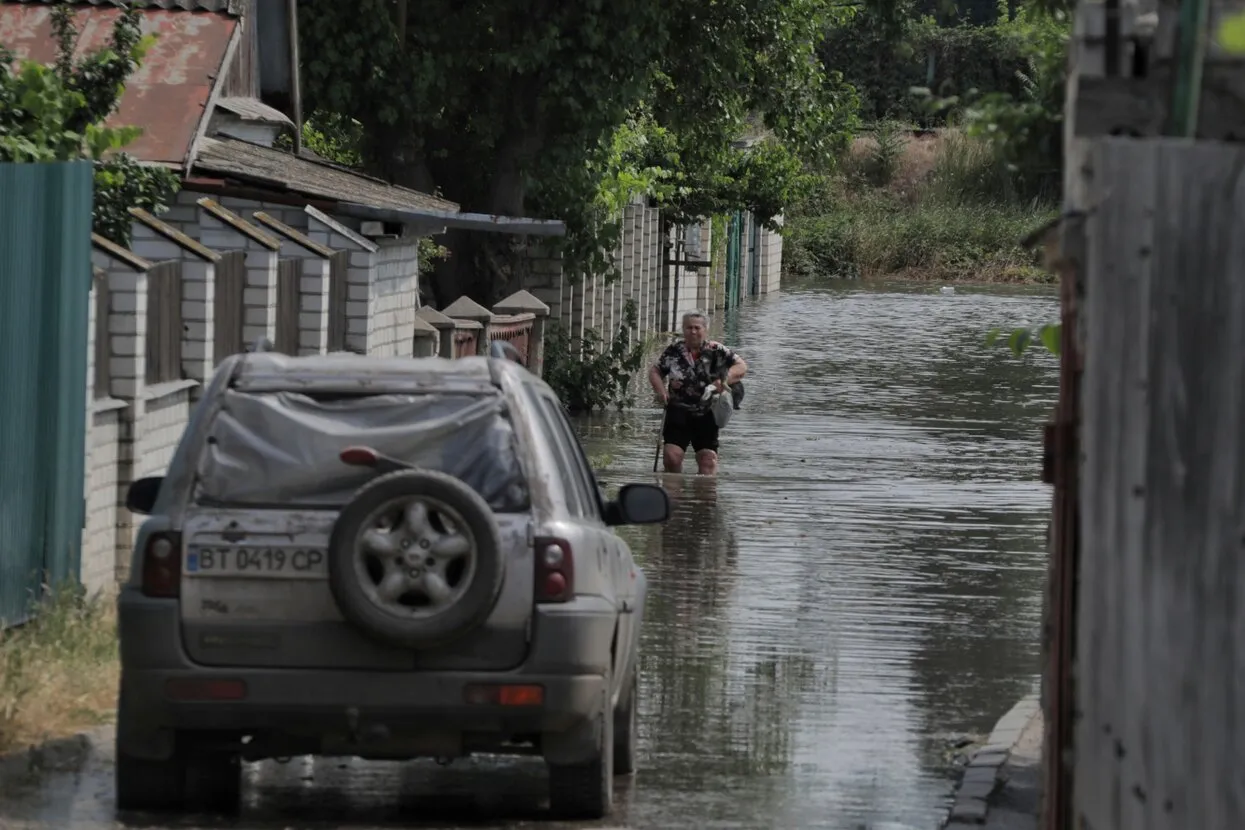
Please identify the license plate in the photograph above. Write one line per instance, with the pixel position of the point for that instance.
(257, 562)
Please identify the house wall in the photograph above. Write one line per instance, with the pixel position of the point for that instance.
(393, 298)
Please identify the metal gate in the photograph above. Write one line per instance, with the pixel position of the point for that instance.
(288, 273)
(45, 283)
(754, 256)
(228, 312)
(734, 259)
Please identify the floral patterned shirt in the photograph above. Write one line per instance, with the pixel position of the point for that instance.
(694, 374)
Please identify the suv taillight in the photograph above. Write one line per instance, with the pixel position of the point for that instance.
(555, 570)
(162, 565)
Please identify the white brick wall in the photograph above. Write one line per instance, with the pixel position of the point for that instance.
(134, 431)
(313, 316)
(198, 316)
(293, 216)
(162, 428)
(393, 298)
(332, 234)
(99, 537)
(259, 296)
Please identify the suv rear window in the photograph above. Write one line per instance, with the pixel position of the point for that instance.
(281, 449)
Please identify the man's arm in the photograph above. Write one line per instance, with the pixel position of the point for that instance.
(657, 380)
(738, 369)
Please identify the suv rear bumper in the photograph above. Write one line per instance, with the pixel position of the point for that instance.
(366, 713)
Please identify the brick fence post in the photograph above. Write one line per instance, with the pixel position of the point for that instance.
(524, 302)
(465, 308)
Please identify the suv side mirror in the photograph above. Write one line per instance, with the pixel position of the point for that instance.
(141, 497)
(638, 504)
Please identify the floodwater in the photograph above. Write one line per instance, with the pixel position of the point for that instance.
(859, 587)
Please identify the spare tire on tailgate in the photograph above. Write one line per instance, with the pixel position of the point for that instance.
(415, 559)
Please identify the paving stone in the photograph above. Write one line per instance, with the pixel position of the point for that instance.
(988, 759)
(976, 789)
(970, 810)
(978, 774)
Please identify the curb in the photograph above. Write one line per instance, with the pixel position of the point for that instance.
(982, 775)
(67, 754)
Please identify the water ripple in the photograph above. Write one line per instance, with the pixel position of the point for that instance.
(863, 579)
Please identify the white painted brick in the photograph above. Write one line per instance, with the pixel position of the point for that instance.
(221, 239)
(194, 290)
(123, 345)
(310, 321)
(157, 249)
(195, 311)
(260, 258)
(259, 296)
(194, 352)
(196, 331)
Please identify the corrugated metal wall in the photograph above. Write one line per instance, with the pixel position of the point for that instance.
(45, 279)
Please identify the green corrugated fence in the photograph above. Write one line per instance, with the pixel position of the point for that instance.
(734, 258)
(45, 279)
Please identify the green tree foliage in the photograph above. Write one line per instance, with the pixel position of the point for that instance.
(886, 61)
(515, 108)
(590, 372)
(57, 113)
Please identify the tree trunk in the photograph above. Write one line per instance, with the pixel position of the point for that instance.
(482, 264)
(392, 153)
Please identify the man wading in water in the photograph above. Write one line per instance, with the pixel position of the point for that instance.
(691, 367)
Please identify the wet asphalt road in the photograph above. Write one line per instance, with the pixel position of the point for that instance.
(860, 586)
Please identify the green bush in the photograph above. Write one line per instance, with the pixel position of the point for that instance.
(968, 170)
(960, 224)
(886, 63)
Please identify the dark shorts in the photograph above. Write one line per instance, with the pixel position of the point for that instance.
(695, 428)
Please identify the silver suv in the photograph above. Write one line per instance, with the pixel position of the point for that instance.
(382, 558)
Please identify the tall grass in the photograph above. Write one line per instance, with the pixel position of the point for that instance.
(59, 672)
(947, 213)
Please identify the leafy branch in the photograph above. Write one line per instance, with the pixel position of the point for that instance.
(57, 113)
(1020, 339)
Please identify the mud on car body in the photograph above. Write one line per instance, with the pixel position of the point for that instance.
(382, 558)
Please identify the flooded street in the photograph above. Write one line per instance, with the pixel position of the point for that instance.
(861, 586)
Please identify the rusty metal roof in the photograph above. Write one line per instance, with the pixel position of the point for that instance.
(234, 7)
(167, 95)
(286, 171)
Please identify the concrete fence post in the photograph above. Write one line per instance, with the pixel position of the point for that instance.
(444, 326)
(465, 308)
(425, 337)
